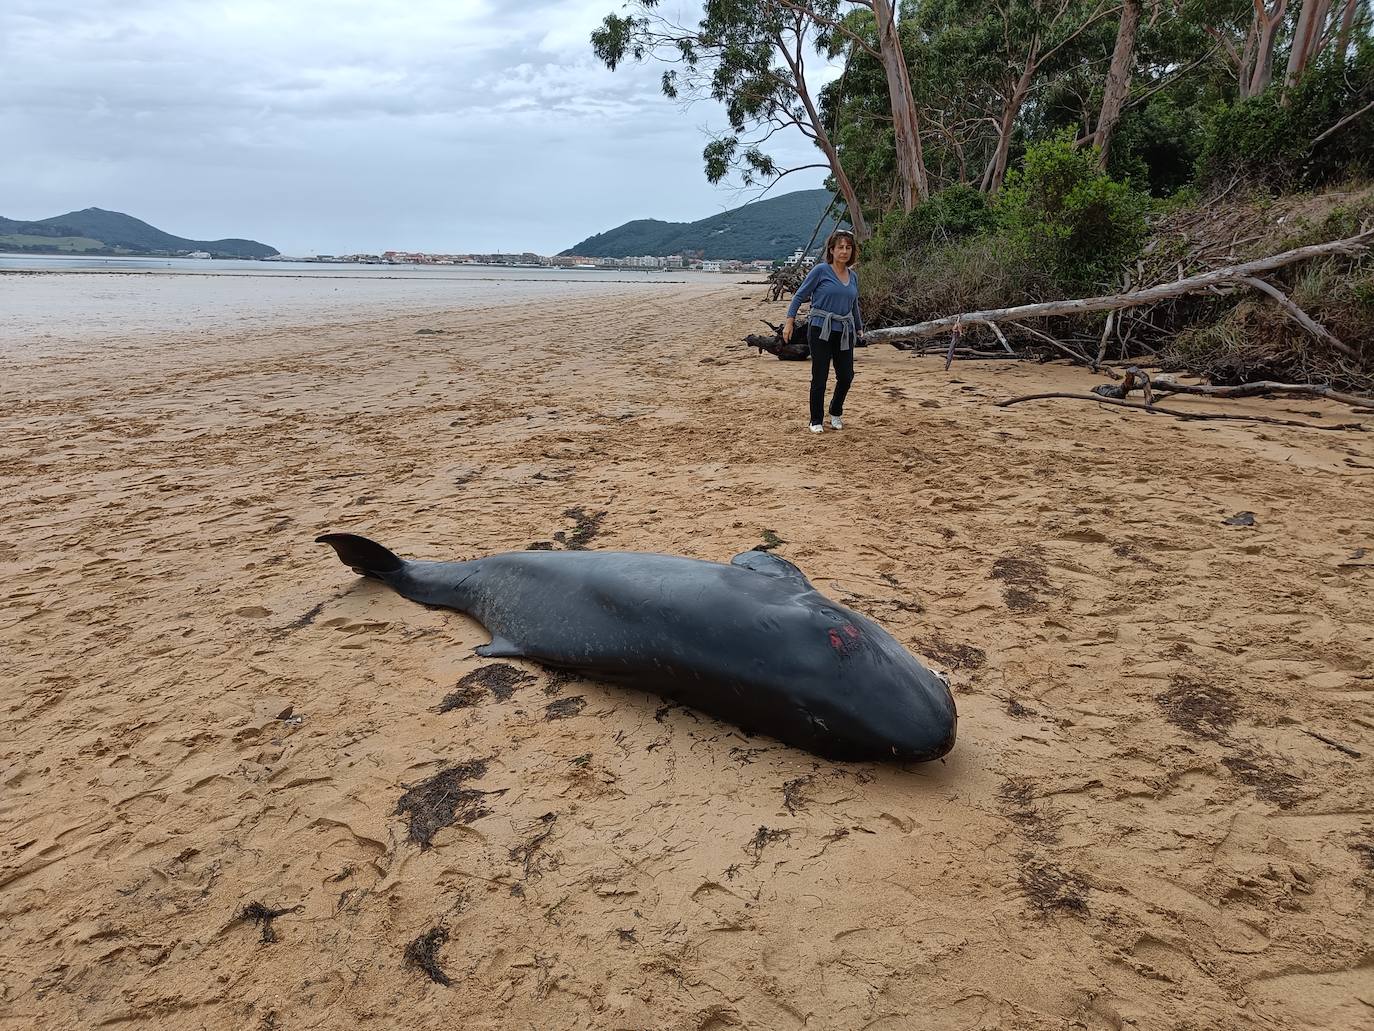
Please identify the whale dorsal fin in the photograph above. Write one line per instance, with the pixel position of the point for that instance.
(771, 565)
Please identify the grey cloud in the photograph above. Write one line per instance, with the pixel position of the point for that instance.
(440, 124)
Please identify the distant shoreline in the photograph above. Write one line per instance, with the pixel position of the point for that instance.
(245, 274)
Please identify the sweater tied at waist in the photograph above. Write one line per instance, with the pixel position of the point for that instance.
(826, 320)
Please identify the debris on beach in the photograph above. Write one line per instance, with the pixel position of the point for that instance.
(587, 525)
(497, 678)
(565, 708)
(762, 838)
(262, 916)
(423, 955)
(444, 800)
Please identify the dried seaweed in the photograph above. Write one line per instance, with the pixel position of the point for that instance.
(500, 678)
(565, 708)
(953, 656)
(423, 953)
(586, 527)
(794, 795)
(762, 838)
(262, 916)
(1034, 821)
(1271, 784)
(771, 540)
(443, 800)
(1048, 888)
(1206, 711)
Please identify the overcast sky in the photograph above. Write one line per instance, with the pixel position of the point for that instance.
(334, 126)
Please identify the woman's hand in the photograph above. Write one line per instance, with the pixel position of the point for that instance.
(787, 326)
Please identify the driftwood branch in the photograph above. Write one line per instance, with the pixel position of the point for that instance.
(1263, 387)
(1299, 316)
(1176, 413)
(1333, 743)
(996, 329)
(1057, 344)
(1131, 298)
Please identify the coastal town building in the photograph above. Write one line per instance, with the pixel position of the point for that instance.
(527, 259)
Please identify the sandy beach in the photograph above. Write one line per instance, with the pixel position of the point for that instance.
(1159, 814)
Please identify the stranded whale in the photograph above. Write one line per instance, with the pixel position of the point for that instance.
(752, 642)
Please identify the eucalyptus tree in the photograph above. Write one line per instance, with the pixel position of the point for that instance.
(750, 56)
(871, 27)
(981, 62)
(1119, 73)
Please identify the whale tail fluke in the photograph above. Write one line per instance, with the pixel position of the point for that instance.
(365, 556)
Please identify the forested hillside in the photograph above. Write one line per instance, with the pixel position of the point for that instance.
(95, 230)
(771, 228)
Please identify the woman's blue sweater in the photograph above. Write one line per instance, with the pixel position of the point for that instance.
(826, 293)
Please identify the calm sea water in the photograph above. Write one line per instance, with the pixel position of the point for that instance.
(47, 302)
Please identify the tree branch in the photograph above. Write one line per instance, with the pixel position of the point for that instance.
(1299, 316)
(1177, 414)
(1343, 122)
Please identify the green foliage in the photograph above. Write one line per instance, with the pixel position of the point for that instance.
(954, 213)
(1272, 136)
(732, 57)
(1157, 145)
(48, 244)
(1076, 221)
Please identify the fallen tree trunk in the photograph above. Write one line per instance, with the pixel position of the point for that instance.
(1130, 299)
(799, 347)
(1263, 387)
(1177, 414)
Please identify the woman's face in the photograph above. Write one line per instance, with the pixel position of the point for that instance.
(843, 250)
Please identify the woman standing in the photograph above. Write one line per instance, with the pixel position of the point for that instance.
(833, 324)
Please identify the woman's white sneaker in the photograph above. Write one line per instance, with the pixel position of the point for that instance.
(835, 422)
(817, 428)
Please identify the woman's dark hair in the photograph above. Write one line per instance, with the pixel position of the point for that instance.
(830, 246)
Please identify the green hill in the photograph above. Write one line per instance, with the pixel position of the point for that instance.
(772, 228)
(114, 233)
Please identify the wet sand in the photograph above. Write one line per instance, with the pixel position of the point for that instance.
(203, 710)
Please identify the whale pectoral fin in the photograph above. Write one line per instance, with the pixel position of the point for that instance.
(500, 648)
(771, 565)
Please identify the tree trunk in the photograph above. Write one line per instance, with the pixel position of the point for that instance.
(997, 167)
(1246, 70)
(817, 125)
(1307, 38)
(1118, 78)
(1269, 23)
(1352, 7)
(911, 166)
